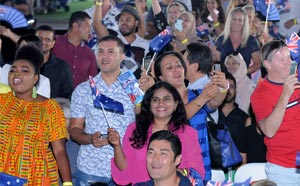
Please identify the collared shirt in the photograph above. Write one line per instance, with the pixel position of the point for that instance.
(184, 181)
(60, 76)
(199, 83)
(80, 58)
(91, 160)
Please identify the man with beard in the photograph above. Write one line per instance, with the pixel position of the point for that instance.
(230, 114)
(72, 48)
(135, 46)
(58, 71)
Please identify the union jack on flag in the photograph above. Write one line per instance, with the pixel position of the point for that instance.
(95, 91)
(165, 32)
(202, 30)
(293, 43)
(228, 183)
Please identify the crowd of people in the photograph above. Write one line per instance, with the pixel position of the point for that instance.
(66, 118)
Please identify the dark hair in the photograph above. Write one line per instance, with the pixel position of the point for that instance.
(30, 39)
(78, 17)
(46, 28)
(228, 75)
(268, 49)
(157, 64)
(170, 137)
(145, 117)
(200, 54)
(205, 12)
(31, 54)
(113, 38)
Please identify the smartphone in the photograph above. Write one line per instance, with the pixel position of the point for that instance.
(293, 69)
(217, 67)
(178, 24)
(146, 62)
(103, 136)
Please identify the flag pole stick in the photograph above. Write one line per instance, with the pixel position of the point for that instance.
(267, 16)
(154, 56)
(105, 115)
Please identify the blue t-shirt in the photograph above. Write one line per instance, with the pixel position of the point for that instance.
(227, 49)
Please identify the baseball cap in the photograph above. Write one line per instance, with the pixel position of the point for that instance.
(128, 9)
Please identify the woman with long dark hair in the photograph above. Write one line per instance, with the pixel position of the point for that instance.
(161, 109)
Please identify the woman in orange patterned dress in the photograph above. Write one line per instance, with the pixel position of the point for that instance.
(29, 125)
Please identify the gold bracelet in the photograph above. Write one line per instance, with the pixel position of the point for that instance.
(217, 24)
(185, 172)
(197, 104)
(295, 21)
(99, 3)
(185, 41)
(224, 90)
(67, 183)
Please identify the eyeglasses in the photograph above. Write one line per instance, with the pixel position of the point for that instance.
(273, 46)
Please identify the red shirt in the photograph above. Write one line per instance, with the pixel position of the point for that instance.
(282, 148)
(81, 59)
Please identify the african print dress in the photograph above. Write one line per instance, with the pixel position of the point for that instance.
(26, 130)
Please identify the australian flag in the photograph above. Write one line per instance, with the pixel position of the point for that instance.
(161, 40)
(293, 43)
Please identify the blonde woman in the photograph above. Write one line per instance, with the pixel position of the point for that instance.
(236, 38)
(173, 12)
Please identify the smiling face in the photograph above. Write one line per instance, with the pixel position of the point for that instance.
(162, 104)
(172, 71)
(173, 13)
(22, 78)
(232, 65)
(211, 5)
(237, 22)
(109, 57)
(127, 24)
(47, 38)
(279, 66)
(161, 162)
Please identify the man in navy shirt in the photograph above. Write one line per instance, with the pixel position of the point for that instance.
(163, 157)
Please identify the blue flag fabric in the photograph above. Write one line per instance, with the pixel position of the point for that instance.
(195, 178)
(293, 43)
(262, 7)
(229, 183)
(161, 40)
(6, 180)
(107, 103)
(202, 30)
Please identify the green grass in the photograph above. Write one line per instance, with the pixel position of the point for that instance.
(60, 14)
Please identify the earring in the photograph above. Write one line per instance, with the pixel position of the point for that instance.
(34, 93)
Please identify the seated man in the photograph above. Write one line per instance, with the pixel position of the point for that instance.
(163, 157)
